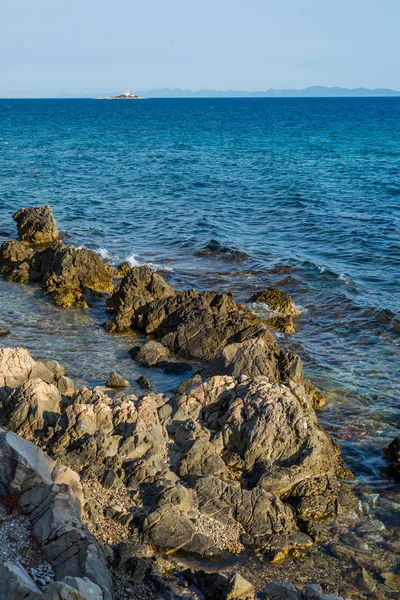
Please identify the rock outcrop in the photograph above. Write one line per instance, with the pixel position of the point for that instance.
(51, 497)
(240, 453)
(67, 273)
(36, 225)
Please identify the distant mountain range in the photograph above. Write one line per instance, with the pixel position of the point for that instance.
(310, 92)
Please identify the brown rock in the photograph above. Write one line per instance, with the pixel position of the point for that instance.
(36, 225)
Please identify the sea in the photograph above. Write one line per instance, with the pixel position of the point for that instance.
(233, 195)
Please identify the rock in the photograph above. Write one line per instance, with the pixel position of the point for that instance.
(116, 380)
(276, 300)
(36, 225)
(12, 251)
(31, 477)
(68, 273)
(168, 529)
(150, 354)
(270, 434)
(392, 455)
(143, 382)
(198, 324)
(4, 332)
(264, 517)
(313, 591)
(215, 248)
(282, 591)
(141, 285)
(15, 582)
(33, 408)
(281, 323)
(17, 365)
(240, 588)
(216, 586)
(65, 385)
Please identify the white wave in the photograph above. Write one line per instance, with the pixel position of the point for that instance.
(133, 260)
(104, 253)
(322, 269)
(344, 278)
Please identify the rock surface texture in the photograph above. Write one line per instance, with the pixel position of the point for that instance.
(36, 225)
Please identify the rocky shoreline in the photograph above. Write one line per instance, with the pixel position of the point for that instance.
(234, 461)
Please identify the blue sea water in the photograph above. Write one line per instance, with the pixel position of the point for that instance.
(306, 191)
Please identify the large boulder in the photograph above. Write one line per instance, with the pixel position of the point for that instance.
(36, 225)
(33, 408)
(265, 432)
(140, 286)
(17, 366)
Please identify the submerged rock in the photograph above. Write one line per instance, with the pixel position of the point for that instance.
(392, 455)
(276, 300)
(36, 225)
(215, 248)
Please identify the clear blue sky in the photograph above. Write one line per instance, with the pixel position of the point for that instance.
(56, 47)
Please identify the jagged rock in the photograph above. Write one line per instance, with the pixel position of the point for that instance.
(264, 517)
(266, 432)
(12, 251)
(281, 323)
(41, 489)
(276, 300)
(198, 324)
(36, 225)
(67, 273)
(392, 455)
(72, 588)
(150, 353)
(33, 408)
(140, 286)
(116, 380)
(240, 588)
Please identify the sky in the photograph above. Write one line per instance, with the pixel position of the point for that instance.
(51, 48)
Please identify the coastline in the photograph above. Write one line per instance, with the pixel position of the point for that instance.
(162, 417)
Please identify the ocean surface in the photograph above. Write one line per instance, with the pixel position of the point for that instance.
(301, 193)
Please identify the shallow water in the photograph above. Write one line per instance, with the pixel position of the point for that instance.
(305, 192)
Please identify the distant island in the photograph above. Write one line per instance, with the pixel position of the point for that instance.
(124, 96)
(310, 92)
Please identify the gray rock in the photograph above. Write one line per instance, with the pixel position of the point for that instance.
(150, 353)
(282, 591)
(15, 582)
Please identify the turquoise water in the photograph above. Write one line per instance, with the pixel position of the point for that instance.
(307, 192)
